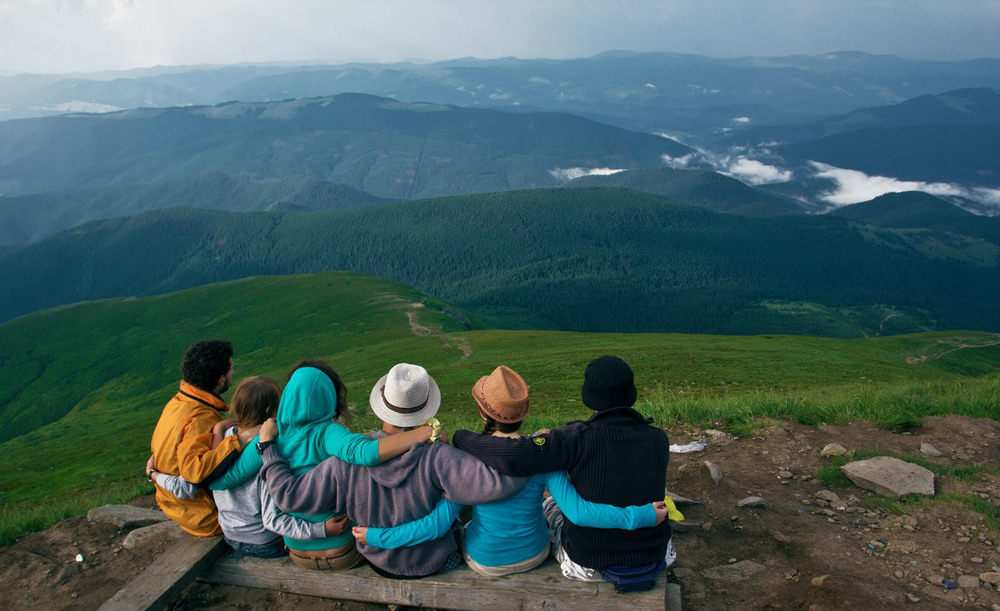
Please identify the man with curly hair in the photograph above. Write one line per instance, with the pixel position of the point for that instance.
(182, 440)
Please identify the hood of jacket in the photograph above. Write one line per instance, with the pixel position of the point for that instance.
(393, 473)
(307, 406)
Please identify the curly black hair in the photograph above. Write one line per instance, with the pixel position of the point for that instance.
(205, 362)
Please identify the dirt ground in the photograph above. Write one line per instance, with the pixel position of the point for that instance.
(849, 555)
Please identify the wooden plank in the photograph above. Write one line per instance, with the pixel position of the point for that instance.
(171, 572)
(540, 588)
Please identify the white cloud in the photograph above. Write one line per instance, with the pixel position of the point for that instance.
(651, 86)
(678, 162)
(854, 186)
(755, 172)
(571, 173)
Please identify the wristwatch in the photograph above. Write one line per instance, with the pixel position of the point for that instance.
(263, 445)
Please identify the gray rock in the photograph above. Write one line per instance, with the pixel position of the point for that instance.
(681, 501)
(785, 475)
(698, 473)
(147, 535)
(890, 476)
(926, 448)
(992, 578)
(738, 571)
(826, 495)
(833, 449)
(751, 501)
(968, 582)
(125, 517)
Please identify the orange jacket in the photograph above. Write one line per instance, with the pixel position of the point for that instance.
(182, 445)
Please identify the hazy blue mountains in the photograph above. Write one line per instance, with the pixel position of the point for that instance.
(387, 148)
(594, 259)
(28, 218)
(648, 91)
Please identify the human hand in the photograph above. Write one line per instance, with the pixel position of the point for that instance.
(337, 525)
(443, 437)
(360, 534)
(661, 512)
(246, 435)
(150, 466)
(542, 432)
(269, 430)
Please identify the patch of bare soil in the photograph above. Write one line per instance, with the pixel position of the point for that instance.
(851, 555)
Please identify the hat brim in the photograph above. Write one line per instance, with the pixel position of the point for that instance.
(394, 418)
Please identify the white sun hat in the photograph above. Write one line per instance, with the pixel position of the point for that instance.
(406, 396)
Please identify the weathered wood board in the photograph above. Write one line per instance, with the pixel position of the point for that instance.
(541, 588)
(168, 575)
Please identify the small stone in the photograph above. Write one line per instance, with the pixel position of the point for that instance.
(898, 574)
(876, 544)
(926, 448)
(968, 582)
(823, 503)
(706, 526)
(74, 595)
(964, 539)
(936, 580)
(818, 581)
(992, 577)
(751, 501)
(976, 560)
(833, 449)
(734, 518)
(785, 475)
(732, 561)
(826, 495)
(829, 513)
(913, 599)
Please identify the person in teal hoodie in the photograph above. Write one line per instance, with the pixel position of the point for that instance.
(510, 536)
(309, 432)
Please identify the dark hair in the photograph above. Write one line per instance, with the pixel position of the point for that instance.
(205, 362)
(492, 426)
(255, 400)
(342, 412)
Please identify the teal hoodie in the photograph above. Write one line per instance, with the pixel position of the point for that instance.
(306, 437)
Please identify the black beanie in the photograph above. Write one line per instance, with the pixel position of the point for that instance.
(608, 382)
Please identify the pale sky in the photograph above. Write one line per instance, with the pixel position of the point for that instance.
(91, 35)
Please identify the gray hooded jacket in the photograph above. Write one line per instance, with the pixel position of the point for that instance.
(397, 491)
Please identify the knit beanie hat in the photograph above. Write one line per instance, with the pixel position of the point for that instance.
(502, 395)
(608, 382)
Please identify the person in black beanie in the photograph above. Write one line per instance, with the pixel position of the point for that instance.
(615, 457)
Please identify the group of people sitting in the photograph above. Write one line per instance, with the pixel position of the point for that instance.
(286, 474)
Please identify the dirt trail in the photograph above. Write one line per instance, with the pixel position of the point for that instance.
(810, 557)
(955, 344)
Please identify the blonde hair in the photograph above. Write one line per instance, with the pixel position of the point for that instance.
(255, 400)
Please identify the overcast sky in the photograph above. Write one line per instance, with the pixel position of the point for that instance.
(91, 35)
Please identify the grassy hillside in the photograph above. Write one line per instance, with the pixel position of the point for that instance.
(701, 188)
(381, 146)
(29, 218)
(90, 380)
(596, 259)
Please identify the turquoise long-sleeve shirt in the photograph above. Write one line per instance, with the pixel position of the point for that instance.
(509, 531)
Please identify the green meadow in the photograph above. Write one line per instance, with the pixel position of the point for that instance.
(82, 386)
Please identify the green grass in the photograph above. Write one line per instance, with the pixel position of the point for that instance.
(82, 386)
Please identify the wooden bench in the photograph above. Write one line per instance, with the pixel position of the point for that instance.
(168, 575)
(541, 588)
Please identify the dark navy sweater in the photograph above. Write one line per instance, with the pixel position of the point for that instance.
(615, 457)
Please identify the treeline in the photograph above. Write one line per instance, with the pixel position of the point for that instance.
(596, 259)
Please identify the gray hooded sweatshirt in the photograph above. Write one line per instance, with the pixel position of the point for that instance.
(397, 491)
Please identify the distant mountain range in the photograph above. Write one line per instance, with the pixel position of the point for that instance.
(28, 218)
(387, 148)
(646, 91)
(576, 259)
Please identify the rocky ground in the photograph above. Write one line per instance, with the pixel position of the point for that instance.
(802, 545)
